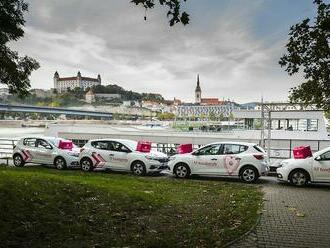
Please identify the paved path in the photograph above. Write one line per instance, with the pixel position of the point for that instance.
(292, 217)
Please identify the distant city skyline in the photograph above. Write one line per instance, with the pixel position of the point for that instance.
(234, 48)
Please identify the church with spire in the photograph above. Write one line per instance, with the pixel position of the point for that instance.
(198, 92)
(62, 84)
(203, 107)
(204, 101)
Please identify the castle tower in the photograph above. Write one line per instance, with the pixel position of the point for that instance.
(198, 92)
(56, 78)
(79, 80)
(99, 78)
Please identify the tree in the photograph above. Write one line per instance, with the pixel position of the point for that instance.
(174, 10)
(212, 116)
(14, 70)
(308, 50)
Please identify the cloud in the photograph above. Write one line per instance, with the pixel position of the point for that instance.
(111, 38)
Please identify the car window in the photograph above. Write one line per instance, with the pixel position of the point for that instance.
(118, 147)
(102, 145)
(30, 142)
(325, 156)
(43, 144)
(234, 148)
(209, 150)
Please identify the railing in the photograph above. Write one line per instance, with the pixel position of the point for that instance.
(6, 149)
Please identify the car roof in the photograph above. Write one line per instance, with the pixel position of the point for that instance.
(110, 139)
(41, 137)
(234, 143)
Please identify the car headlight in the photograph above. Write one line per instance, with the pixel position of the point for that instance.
(151, 157)
(282, 164)
(74, 154)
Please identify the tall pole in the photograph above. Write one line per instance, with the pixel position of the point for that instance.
(262, 133)
(269, 134)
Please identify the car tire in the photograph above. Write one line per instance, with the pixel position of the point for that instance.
(181, 170)
(60, 163)
(18, 160)
(249, 174)
(86, 164)
(138, 168)
(299, 178)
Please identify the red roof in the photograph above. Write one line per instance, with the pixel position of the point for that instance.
(67, 78)
(210, 101)
(75, 78)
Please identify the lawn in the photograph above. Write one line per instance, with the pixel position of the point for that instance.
(42, 207)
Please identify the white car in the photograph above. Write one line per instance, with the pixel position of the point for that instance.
(300, 172)
(120, 155)
(45, 150)
(244, 160)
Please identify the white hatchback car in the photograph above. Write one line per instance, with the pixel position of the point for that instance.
(301, 171)
(121, 155)
(245, 160)
(45, 150)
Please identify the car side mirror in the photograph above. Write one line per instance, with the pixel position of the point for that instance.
(318, 158)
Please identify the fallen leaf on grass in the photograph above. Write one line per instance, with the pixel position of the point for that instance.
(298, 214)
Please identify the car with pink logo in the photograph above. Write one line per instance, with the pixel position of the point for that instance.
(122, 155)
(53, 151)
(238, 159)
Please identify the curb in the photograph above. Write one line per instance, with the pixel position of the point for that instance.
(244, 234)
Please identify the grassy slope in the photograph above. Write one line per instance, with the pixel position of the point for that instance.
(41, 207)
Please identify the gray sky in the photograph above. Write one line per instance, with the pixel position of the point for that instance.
(234, 45)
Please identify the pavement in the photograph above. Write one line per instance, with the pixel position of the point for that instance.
(291, 217)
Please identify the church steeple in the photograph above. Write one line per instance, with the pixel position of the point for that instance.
(198, 92)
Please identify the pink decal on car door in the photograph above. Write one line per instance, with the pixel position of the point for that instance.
(231, 164)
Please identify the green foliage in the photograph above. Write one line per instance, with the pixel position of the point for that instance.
(165, 116)
(212, 116)
(308, 50)
(40, 206)
(174, 9)
(14, 70)
(127, 95)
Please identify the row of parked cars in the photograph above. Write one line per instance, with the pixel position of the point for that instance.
(236, 159)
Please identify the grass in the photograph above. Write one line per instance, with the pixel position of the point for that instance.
(42, 207)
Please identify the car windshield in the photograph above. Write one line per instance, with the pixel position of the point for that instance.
(259, 149)
(131, 144)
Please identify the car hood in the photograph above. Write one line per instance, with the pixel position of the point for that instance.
(297, 161)
(72, 151)
(157, 154)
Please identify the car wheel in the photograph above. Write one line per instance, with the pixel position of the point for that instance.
(182, 171)
(299, 178)
(249, 174)
(60, 163)
(18, 160)
(138, 168)
(86, 164)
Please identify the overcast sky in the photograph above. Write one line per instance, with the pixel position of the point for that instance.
(234, 45)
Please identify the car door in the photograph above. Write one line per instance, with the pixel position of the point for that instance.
(29, 150)
(207, 159)
(119, 156)
(321, 167)
(101, 153)
(43, 152)
(231, 158)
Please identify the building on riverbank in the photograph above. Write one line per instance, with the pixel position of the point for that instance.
(64, 83)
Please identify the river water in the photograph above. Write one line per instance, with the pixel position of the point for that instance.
(16, 132)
